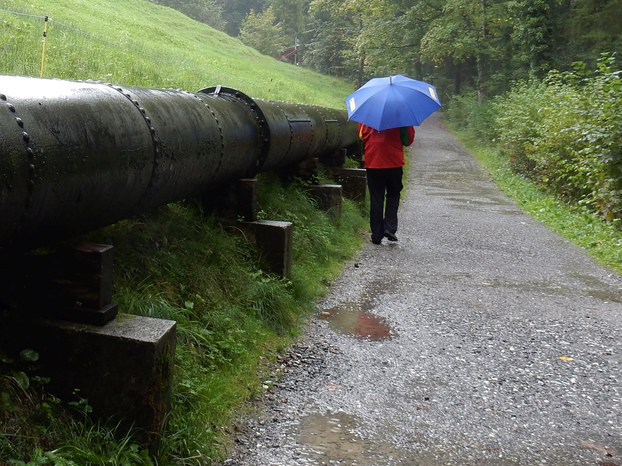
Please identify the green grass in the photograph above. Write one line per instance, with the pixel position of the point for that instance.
(602, 240)
(139, 43)
(232, 317)
(178, 263)
(232, 320)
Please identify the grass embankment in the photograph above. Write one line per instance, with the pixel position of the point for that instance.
(178, 263)
(601, 239)
(139, 43)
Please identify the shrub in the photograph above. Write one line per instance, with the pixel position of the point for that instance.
(472, 114)
(519, 117)
(566, 134)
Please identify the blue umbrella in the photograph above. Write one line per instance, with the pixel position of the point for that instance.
(392, 102)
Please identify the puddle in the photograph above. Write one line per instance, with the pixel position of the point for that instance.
(357, 322)
(606, 296)
(598, 289)
(551, 288)
(334, 439)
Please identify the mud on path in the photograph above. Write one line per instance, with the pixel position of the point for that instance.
(479, 338)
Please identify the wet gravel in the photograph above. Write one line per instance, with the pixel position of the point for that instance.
(494, 342)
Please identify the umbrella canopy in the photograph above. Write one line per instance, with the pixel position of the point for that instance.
(392, 102)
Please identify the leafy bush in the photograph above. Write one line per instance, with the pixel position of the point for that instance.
(600, 139)
(566, 134)
(472, 114)
(519, 116)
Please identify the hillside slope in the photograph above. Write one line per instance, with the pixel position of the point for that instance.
(139, 43)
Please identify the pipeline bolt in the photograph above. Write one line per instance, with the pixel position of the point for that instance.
(2, 97)
(11, 107)
(20, 122)
(26, 136)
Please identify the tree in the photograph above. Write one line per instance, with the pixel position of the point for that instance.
(291, 14)
(535, 35)
(594, 27)
(235, 11)
(333, 31)
(457, 44)
(262, 32)
(393, 33)
(467, 37)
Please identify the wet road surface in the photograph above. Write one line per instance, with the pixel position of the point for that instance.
(479, 338)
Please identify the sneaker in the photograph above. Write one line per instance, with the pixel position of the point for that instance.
(376, 241)
(390, 236)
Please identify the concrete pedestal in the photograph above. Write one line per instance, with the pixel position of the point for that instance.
(328, 197)
(353, 181)
(274, 240)
(124, 368)
(237, 199)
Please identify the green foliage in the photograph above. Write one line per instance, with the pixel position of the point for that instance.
(518, 119)
(472, 114)
(457, 34)
(566, 134)
(262, 32)
(594, 25)
(32, 422)
(332, 45)
(290, 13)
(463, 44)
(535, 33)
(92, 444)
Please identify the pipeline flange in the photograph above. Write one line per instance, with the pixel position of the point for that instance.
(260, 117)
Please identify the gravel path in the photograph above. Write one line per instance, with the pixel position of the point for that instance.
(480, 338)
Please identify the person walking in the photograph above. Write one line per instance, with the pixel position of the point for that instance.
(384, 159)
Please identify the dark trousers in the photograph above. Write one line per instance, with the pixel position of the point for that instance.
(385, 185)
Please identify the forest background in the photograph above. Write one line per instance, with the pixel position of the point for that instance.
(457, 44)
(536, 78)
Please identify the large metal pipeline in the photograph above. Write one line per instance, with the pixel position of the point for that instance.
(75, 156)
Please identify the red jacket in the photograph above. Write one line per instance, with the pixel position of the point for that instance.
(384, 149)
